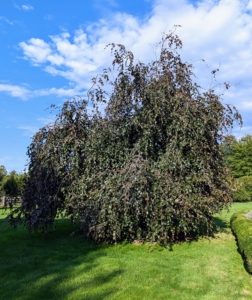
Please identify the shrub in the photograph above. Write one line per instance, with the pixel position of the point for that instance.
(150, 168)
(242, 229)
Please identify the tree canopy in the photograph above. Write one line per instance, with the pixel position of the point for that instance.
(227, 150)
(148, 168)
(237, 157)
(11, 183)
(3, 172)
(240, 162)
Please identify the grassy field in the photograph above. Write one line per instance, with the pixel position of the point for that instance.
(62, 267)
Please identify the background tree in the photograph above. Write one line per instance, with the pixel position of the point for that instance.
(238, 158)
(3, 173)
(242, 189)
(240, 162)
(149, 168)
(227, 149)
(13, 184)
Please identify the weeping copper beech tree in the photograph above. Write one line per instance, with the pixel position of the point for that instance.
(148, 168)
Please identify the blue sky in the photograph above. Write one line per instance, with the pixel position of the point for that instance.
(50, 51)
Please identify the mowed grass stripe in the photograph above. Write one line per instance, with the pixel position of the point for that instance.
(60, 267)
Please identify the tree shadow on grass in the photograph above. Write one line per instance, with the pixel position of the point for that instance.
(221, 225)
(55, 266)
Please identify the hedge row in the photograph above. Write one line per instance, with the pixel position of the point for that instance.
(241, 224)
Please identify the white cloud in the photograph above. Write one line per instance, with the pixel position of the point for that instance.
(24, 7)
(48, 17)
(46, 121)
(25, 93)
(240, 132)
(105, 5)
(36, 50)
(59, 92)
(4, 159)
(247, 105)
(29, 130)
(27, 7)
(16, 6)
(249, 6)
(3, 18)
(217, 31)
(15, 91)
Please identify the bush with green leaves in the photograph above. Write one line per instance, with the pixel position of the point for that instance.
(241, 224)
(148, 168)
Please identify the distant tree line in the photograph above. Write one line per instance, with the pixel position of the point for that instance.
(237, 156)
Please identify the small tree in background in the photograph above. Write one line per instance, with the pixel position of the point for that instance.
(13, 184)
(3, 172)
(238, 158)
(240, 162)
(150, 168)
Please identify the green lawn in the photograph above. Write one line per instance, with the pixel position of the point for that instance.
(63, 267)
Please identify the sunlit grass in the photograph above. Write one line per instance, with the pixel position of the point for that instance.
(62, 267)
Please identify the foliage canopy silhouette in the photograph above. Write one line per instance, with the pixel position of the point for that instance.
(148, 168)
